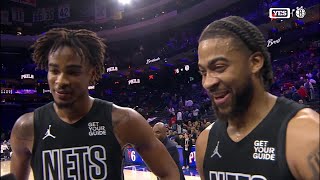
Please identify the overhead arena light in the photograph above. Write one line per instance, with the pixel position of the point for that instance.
(124, 1)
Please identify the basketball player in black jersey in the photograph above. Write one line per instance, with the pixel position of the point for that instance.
(77, 136)
(257, 135)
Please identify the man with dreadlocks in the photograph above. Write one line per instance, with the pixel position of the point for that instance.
(257, 135)
(77, 136)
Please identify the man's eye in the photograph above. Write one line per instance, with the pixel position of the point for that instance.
(74, 73)
(54, 71)
(220, 68)
(203, 73)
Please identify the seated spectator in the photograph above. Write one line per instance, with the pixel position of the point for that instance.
(303, 93)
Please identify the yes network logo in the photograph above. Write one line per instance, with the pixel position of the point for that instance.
(286, 13)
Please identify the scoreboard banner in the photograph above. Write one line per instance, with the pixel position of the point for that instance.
(28, 2)
(43, 14)
(64, 11)
(17, 14)
(4, 17)
(100, 10)
(133, 157)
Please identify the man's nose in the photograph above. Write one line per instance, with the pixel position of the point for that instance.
(62, 80)
(210, 81)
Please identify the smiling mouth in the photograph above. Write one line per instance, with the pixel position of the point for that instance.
(63, 91)
(220, 94)
(63, 94)
(221, 97)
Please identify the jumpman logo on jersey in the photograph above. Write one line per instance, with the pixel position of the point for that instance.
(215, 151)
(48, 133)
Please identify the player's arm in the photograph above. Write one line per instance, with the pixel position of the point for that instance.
(302, 147)
(21, 143)
(201, 146)
(131, 128)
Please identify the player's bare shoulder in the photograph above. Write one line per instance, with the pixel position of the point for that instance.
(24, 126)
(308, 114)
(205, 133)
(303, 134)
(120, 115)
(202, 140)
(23, 130)
(123, 122)
(201, 146)
(306, 118)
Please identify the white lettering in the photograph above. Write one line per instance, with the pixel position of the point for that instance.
(262, 151)
(96, 130)
(72, 167)
(51, 165)
(27, 76)
(111, 69)
(217, 175)
(97, 160)
(133, 155)
(71, 163)
(281, 13)
(91, 87)
(152, 60)
(46, 91)
(192, 156)
(271, 150)
(6, 91)
(272, 42)
(260, 143)
(134, 81)
(264, 156)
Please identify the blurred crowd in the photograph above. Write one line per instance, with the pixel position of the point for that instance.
(6, 151)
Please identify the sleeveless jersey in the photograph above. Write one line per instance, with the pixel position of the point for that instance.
(259, 156)
(85, 150)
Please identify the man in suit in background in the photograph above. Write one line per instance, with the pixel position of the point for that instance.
(160, 131)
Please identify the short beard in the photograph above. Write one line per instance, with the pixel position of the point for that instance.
(240, 103)
(64, 105)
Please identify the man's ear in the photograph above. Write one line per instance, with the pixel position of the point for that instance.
(256, 62)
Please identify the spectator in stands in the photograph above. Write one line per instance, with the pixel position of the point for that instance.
(309, 88)
(188, 103)
(171, 110)
(195, 114)
(303, 93)
(5, 150)
(160, 131)
(295, 96)
(179, 121)
(186, 145)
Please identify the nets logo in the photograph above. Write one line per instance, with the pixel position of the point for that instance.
(286, 13)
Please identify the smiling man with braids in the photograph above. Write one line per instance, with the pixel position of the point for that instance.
(77, 136)
(257, 135)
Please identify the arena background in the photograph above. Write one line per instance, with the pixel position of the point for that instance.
(151, 61)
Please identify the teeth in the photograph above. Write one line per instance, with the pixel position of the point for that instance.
(221, 95)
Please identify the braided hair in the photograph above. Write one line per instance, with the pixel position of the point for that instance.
(85, 43)
(238, 28)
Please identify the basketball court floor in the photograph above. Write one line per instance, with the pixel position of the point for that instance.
(130, 172)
